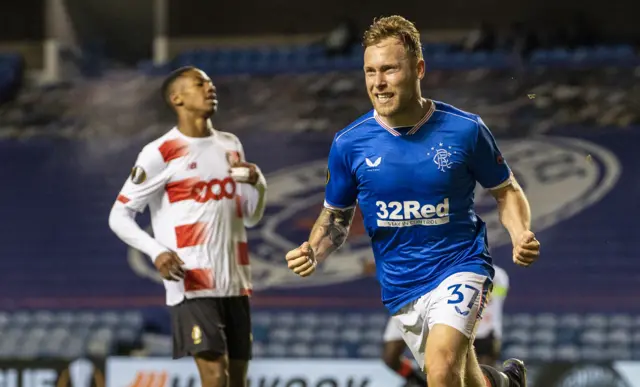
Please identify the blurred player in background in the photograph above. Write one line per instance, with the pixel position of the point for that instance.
(488, 336)
(487, 339)
(412, 164)
(201, 195)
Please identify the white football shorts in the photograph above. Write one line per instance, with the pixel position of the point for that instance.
(457, 302)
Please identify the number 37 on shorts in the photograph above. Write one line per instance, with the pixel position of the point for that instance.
(457, 302)
(464, 295)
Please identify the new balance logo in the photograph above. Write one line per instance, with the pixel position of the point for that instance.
(373, 164)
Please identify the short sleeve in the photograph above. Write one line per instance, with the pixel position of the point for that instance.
(148, 179)
(487, 165)
(237, 153)
(341, 187)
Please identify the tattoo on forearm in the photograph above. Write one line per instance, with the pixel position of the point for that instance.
(331, 230)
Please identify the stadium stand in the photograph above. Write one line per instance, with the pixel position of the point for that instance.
(11, 72)
(68, 157)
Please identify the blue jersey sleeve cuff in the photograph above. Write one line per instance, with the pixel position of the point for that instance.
(505, 183)
(332, 206)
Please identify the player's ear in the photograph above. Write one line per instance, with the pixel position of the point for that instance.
(176, 98)
(421, 68)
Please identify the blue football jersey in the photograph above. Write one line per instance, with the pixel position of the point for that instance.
(415, 188)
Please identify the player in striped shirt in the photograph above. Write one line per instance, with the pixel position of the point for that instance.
(202, 195)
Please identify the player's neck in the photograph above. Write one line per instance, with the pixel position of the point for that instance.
(198, 127)
(410, 116)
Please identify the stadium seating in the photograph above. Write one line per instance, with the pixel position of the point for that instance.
(312, 58)
(11, 69)
(534, 337)
(315, 334)
(67, 334)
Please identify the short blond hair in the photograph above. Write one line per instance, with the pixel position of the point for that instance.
(394, 27)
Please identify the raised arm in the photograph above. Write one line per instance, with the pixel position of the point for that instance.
(252, 189)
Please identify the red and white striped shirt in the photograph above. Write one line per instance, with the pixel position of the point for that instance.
(197, 210)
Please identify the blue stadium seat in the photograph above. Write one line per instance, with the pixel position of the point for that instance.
(593, 336)
(523, 320)
(258, 349)
(546, 320)
(355, 320)
(572, 321)
(373, 335)
(276, 350)
(285, 319)
(260, 333)
(304, 334)
(308, 319)
(593, 353)
(331, 320)
(520, 336)
(351, 335)
(281, 335)
(568, 352)
(370, 351)
(544, 336)
(327, 334)
(378, 320)
(323, 350)
(301, 350)
(262, 319)
(542, 353)
(567, 335)
(517, 351)
(620, 321)
(595, 320)
(108, 318)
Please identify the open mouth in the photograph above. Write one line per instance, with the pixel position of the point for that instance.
(384, 97)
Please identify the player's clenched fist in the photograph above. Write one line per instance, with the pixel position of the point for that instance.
(527, 250)
(170, 266)
(241, 171)
(301, 260)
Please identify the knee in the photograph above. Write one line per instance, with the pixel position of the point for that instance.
(215, 374)
(443, 368)
(214, 378)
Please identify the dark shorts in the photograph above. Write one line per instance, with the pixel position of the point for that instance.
(215, 325)
(487, 346)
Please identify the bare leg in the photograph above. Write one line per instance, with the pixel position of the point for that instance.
(213, 369)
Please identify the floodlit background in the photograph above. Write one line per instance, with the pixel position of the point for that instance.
(556, 81)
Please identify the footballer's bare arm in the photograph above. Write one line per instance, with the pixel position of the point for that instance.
(330, 231)
(327, 235)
